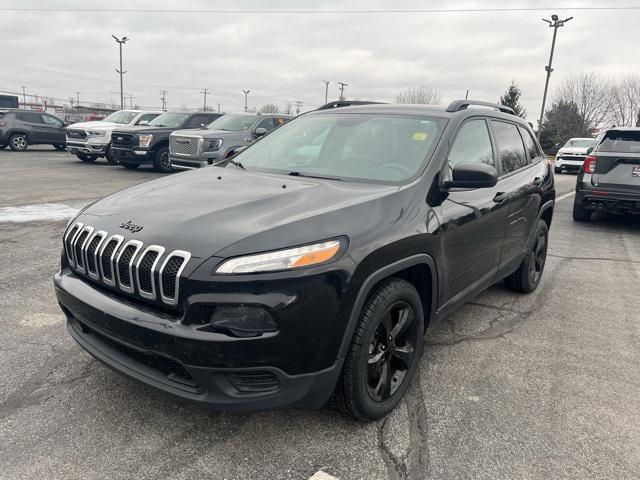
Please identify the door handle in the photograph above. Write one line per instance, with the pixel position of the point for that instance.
(538, 181)
(500, 197)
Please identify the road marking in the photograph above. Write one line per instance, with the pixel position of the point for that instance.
(40, 211)
(566, 195)
(320, 475)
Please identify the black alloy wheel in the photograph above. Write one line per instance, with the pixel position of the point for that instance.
(527, 277)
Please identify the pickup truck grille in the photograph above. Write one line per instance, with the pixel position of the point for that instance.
(128, 266)
(77, 134)
(183, 146)
(123, 139)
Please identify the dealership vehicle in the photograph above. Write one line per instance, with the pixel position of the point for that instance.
(150, 145)
(21, 128)
(610, 177)
(92, 140)
(201, 148)
(570, 158)
(315, 261)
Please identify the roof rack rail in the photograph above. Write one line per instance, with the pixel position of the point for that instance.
(346, 103)
(459, 105)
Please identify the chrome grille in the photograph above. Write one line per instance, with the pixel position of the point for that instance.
(183, 145)
(76, 134)
(125, 265)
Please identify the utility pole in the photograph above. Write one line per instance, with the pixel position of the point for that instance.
(164, 100)
(298, 106)
(342, 85)
(71, 101)
(326, 91)
(78, 99)
(218, 108)
(467, 97)
(554, 23)
(246, 94)
(205, 91)
(24, 96)
(121, 41)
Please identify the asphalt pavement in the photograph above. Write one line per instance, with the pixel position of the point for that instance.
(541, 386)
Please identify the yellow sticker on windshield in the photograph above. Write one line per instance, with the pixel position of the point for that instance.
(420, 136)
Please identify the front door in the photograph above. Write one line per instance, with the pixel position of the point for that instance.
(54, 129)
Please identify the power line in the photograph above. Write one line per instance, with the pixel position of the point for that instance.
(322, 12)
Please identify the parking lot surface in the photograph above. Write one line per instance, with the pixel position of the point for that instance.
(538, 387)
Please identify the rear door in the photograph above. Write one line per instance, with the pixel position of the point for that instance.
(618, 161)
(34, 126)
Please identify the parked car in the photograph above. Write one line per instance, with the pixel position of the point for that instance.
(150, 145)
(21, 128)
(610, 177)
(315, 261)
(92, 140)
(570, 158)
(201, 148)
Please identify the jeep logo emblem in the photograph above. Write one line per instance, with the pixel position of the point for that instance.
(131, 226)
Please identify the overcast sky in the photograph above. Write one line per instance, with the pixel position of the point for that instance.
(281, 57)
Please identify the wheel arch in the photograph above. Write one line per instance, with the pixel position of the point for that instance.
(546, 212)
(419, 270)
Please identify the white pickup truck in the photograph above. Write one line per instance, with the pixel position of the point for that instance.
(92, 140)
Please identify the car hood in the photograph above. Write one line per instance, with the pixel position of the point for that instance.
(209, 210)
(573, 151)
(97, 124)
(207, 133)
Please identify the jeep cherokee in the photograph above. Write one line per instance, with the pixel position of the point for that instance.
(315, 261)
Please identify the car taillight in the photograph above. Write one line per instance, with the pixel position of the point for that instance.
(590, 164)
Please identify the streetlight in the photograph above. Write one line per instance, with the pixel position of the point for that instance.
(246, 93)
(121, 41)
(326, 90)
(554, 23)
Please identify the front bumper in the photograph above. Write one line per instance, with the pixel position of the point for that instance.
(225, 373)
(188, 163)
(569, 165)
(129, 155)
(92, 148)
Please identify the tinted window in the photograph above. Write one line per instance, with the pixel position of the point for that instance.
(198, 121)
(366, 147)
(51, 120)
(267, 123)
(122, 117)
(472, 144)
(510, 147)
(620, 142)
(30, 117)
(580, 143)
(147, 117)
(173, 120)
(532, 149)
(233, 123)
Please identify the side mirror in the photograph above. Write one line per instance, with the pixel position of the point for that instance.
(589, 150)
(259, 132)
(473, 175)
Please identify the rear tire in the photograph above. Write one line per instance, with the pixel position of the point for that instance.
(130, 166)
(18, 142)
(527, 278)
(86, 158)
(109, 157)
(161, 160)
(384, 352)
(580, 214)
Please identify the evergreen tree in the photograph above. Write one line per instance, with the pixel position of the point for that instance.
(561, 122)
(511, 98)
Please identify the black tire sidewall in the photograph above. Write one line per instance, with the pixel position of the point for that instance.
(16, 135)
(109, 157)
(157, 165)
(528, 286)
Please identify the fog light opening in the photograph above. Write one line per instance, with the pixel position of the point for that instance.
(243, 321)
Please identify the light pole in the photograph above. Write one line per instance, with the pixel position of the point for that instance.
(554, 23)
(246, 94)
(121, 41)
(326, 91)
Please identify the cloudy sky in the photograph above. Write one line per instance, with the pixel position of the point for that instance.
(284, 57)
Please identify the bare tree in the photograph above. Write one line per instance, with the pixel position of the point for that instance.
(625, 102)
(269, 108)
(592, 95)
(423, 94)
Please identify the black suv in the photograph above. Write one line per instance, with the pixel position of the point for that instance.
(21, 128)
(610, 177)
(135, 146)
(315, 261)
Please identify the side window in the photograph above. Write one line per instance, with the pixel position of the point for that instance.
(196, 121)
(147, 117)
(472, 144)
(280, 121)
(51, 120)
(510, 146)
(532, 149)
(266, 123)
(30, 117)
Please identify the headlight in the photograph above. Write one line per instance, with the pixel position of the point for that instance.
(212, 145)
(144, 140)
(97, 133)
(282, 259)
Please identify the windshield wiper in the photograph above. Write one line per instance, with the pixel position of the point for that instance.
(306, 175)
(236, 163)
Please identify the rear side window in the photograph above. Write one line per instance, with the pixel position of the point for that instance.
(51, 120)
(532, 149)
(29, 117)
(472, 144)
(267, 123)
(510, 146)
(620, 142)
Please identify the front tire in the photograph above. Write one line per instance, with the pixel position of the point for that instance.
(60, 146)
(161, 161)
(384, 352)
(557, 170)
(86, 158)
(580, 214)
(18, 142)
(527, 278)
(109, 156)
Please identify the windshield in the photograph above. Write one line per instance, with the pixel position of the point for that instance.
(123, 117)
(580, 143)
(234, 123)
(369, 147)
(620, 142)
(172, 120)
